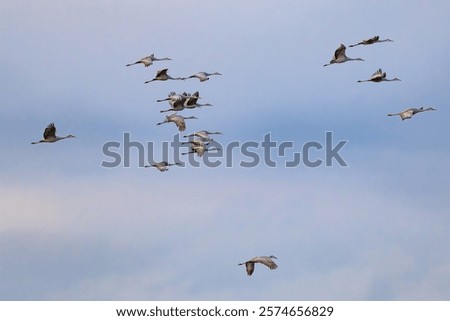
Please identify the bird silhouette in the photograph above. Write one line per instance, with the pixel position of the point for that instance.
(371, 41)
(408, 113)
(340, 57)
(148, 61)
(266, 260)
(50, 135)
(379, 76)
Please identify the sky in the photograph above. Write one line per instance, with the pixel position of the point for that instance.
(377, 229)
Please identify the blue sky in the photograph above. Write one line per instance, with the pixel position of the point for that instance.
(375, 230)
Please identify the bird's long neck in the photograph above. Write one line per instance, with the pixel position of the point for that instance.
(64, 137)
(201, 105)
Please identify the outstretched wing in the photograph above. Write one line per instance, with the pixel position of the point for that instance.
(269, 263)
(147, 61)
(378, 75)
(407, 113)
(339, 52)
(50, 131)
(161, 72)
(250, 266)
(181, 124)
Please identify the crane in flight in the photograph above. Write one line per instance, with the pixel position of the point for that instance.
(148, 61)
(340, 57)
(266, 260)
(178, 120)
(379, 76)
(162, 166)
(408, 113)
(203, 76)
(162, 75)
(371, 41)
(50, 135)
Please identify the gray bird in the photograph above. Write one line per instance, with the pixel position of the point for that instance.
(266, 260)
(340, 57)
(50, 135)
(203, 134)
(178, 120)
(203, 76)
(148, 61)
(162, 166)
(371, 41)
(379, 76)
(408, 113)
(162, 75)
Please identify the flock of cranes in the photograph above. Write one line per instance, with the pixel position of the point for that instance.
(179, 102)
(378, 76)
(200, 140)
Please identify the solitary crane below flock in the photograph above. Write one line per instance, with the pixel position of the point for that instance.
(266, 260)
